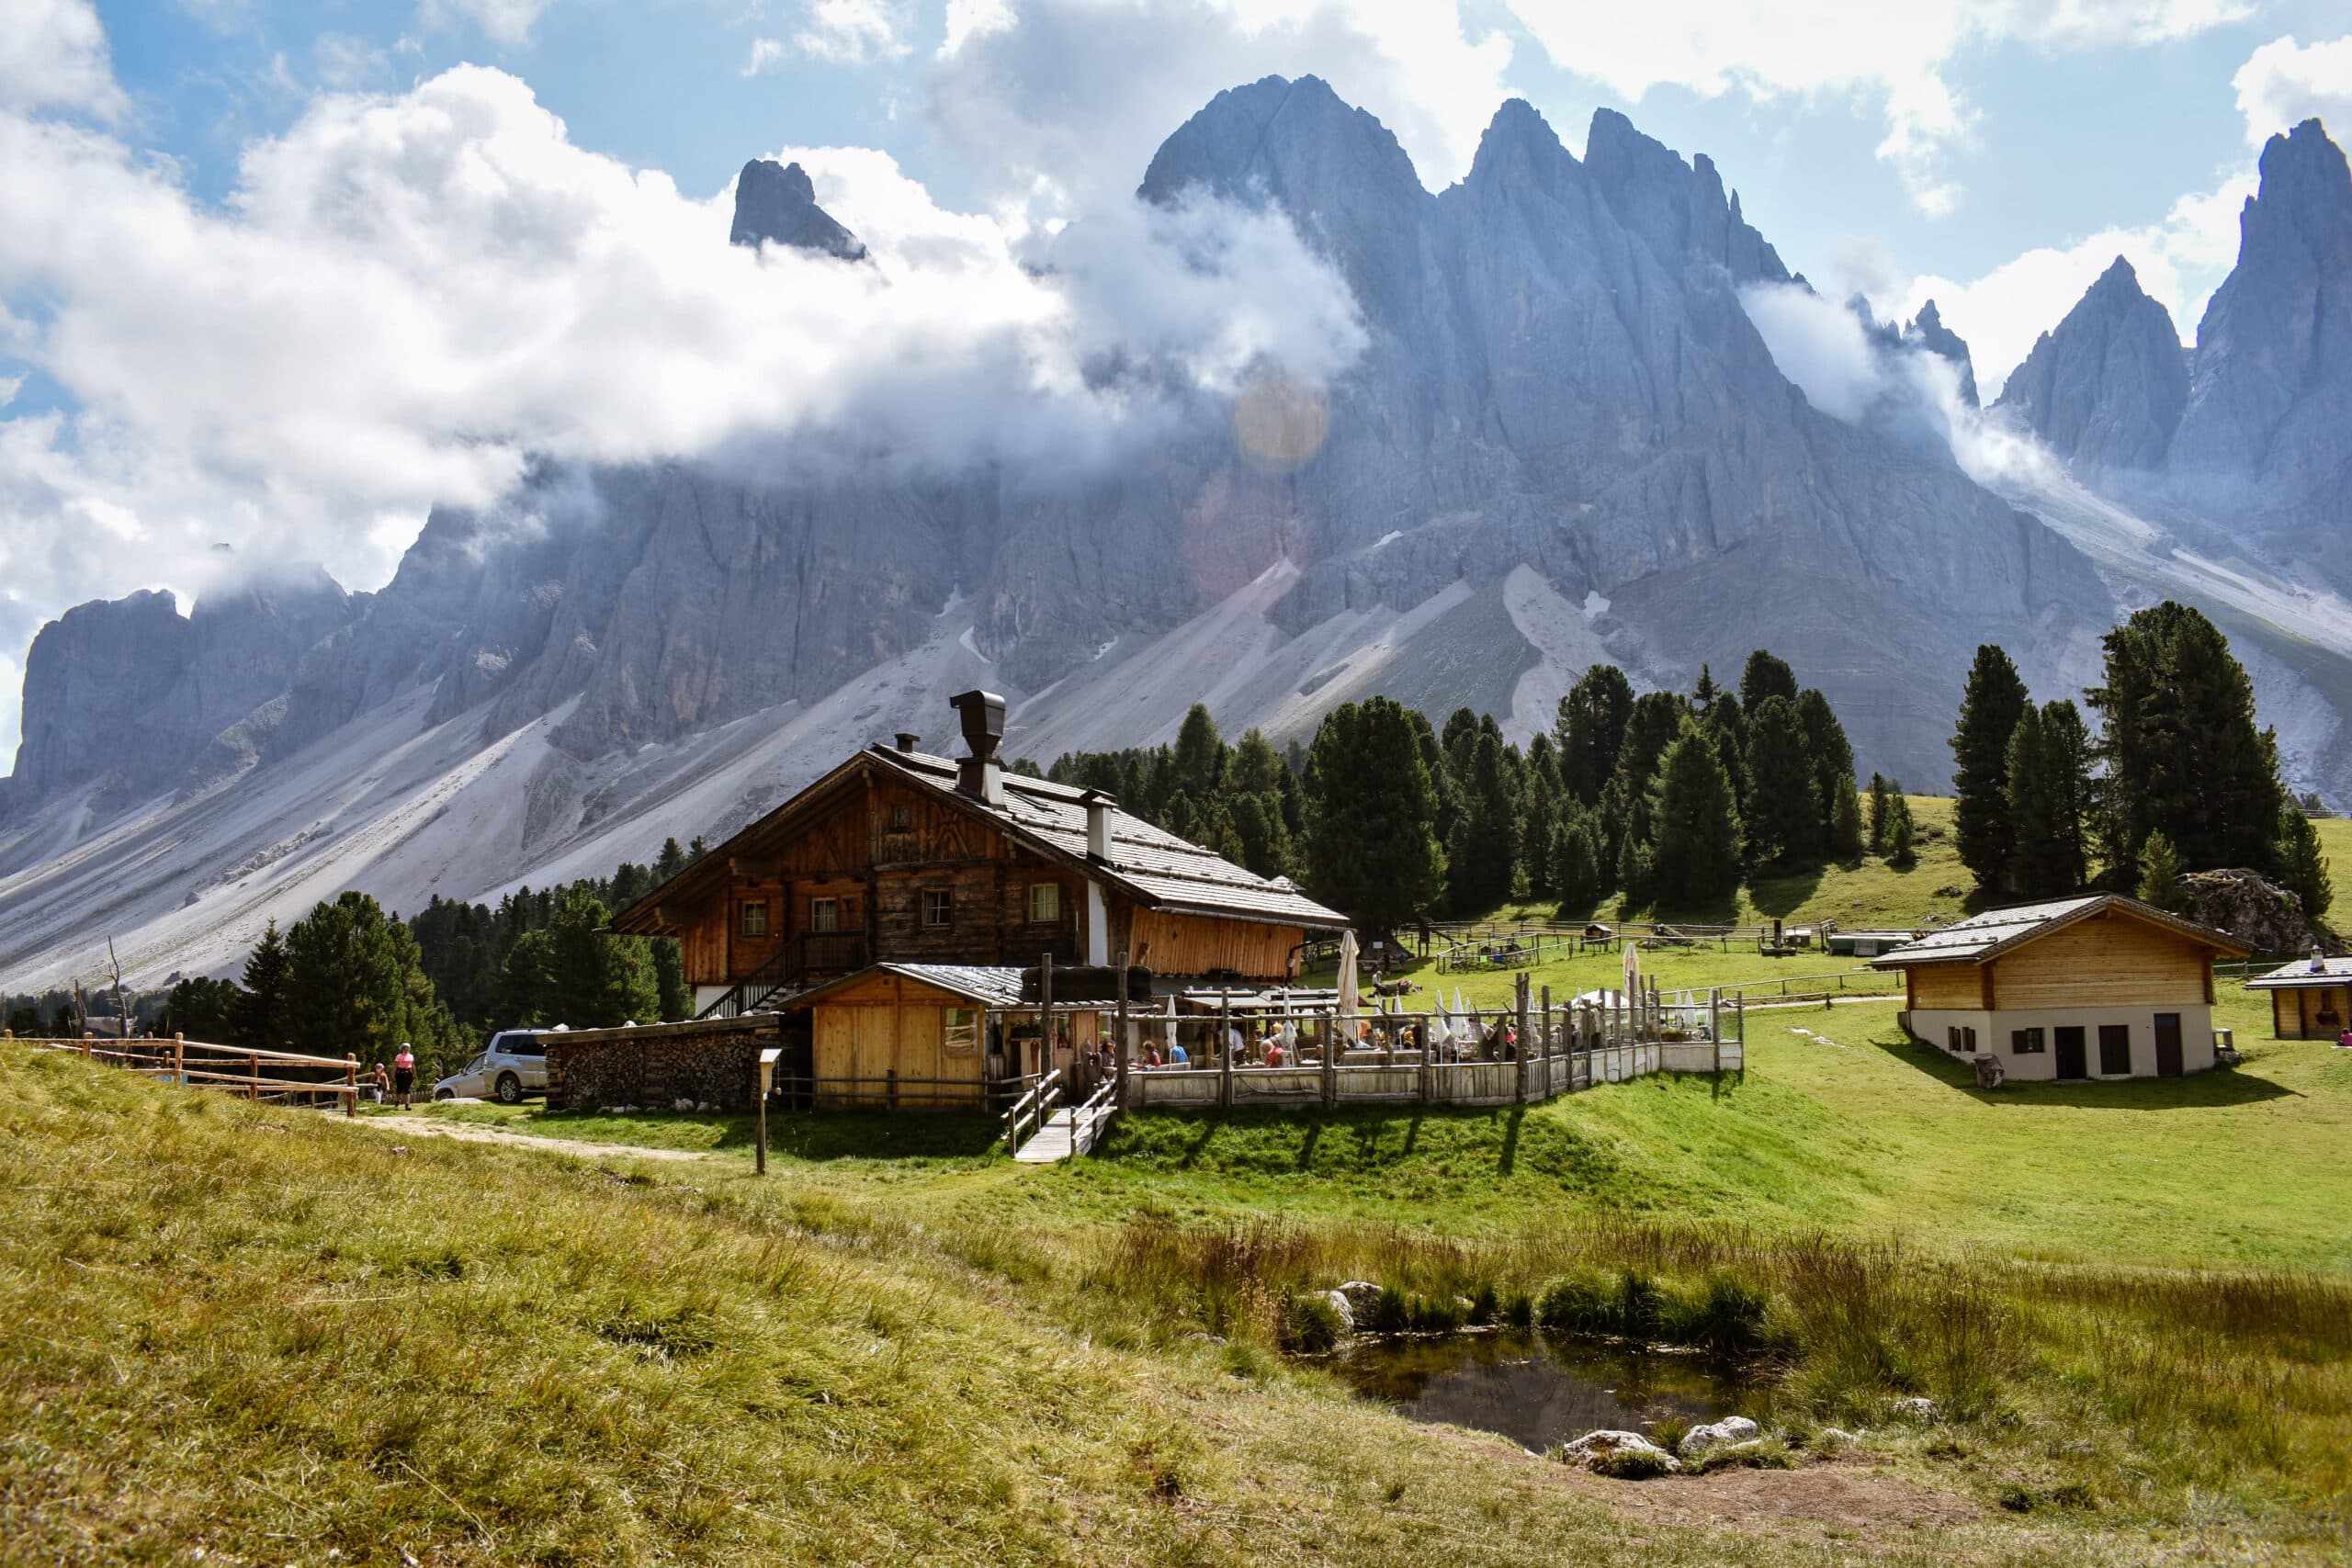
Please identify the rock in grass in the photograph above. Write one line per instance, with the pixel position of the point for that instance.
(1829, 1439)
(1715, 1435)
(1361, 1296)
(1916, 1409)
(1341, 1306)
(1628, 1455)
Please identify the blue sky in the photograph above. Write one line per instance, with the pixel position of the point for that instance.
(279, 267)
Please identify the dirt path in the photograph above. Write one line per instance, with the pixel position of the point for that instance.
(465, 1133)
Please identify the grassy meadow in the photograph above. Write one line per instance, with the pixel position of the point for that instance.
(277, 1336)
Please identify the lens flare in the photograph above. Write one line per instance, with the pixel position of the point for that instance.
(1280, 422)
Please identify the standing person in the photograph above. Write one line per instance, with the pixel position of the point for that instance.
(405, 1074)
(381, 1081)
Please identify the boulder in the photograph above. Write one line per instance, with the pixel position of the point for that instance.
(1627, 1455)
(1919, 1408)
(2251, 908)
(1341, 1304)
(1829, 1439)
(1359, 1295)
(1715, 1435)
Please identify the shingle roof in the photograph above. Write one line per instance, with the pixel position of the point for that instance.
(985, 983)
(2300, 974)
(1164, 871)
(1980, 937)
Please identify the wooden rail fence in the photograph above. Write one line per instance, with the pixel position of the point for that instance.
(197, 1064)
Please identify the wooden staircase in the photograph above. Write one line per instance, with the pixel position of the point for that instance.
(1062, 1133)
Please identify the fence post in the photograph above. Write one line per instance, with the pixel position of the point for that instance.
(1519, 1075)
(252, 1073)
(179, 1061)
(1224, 1049)
(1544, 1040)
(1119, 1058)
(350, 1079)
(1421, 1044)
(1331, 1061)
(1716, 1023)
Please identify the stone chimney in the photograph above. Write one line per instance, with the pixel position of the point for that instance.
(979, 774)
(907, 739)
(1098, 824)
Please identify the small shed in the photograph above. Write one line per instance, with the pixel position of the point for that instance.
(2310, 999)
(1863, 945)
(2097, 987)
(929, 1036)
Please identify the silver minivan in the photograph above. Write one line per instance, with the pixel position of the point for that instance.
(513, 1066)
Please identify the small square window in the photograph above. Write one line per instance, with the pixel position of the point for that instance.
(2026, 1042)
(755, 918)
(901, 819)
(824, 914)
(1967, 1038)
(938, 908)
(1044, 903)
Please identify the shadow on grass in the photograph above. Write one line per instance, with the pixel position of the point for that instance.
(2197, 1091)
(807, 1135)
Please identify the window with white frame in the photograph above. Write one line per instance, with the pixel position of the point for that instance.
(824, 914)
(959, 1031)
(1044, 903)
(754, 920)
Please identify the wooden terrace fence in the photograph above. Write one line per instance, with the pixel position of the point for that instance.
(194, 1064)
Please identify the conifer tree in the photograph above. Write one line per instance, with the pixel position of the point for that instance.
(1783, 793)
(1200, 754)
(1541, 796)
(1372, 847)
(1877, 812)
(2036, 867)
(1705, 694)
(1590, 728)
(1484, 851)
(1898, 831)
(1767, 675)
(1846, 820)
(1726, 724)
(1694, 857)
(1989, 710)
(2183, 755)
(2160, 872)
(1656, 724)
(264, 1015)
(669, 862)
(2303, 868)
(1831, 753)
(594, 980)
(1575, 867)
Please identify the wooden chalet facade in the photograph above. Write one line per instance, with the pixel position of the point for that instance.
(896, 856)
(2310, 999)
(2097, 987)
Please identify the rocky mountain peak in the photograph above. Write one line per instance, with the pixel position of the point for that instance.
(1295, 143)
(1927, 330)
(2105, 386)
(777, 204)
(1682, 209)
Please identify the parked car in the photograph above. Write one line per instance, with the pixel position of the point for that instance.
(513, 1066)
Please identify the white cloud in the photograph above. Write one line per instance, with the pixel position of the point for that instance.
(1071, 97)
(1900, 52)
(508, 21)
(766, 54)
(53, 55)
(408, 296)
(974, 19)
(855, 32)
(2285, 82)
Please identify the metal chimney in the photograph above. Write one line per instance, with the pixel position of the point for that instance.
(978, 775)
(1098, 805)
(907, 740)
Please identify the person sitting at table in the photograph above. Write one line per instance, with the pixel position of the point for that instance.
(1273, 1052)
(1178, 1056)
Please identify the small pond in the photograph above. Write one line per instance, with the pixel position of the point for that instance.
(1531, 1389)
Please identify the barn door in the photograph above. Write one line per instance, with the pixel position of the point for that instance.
(2071, 1062)
(2167, 1045)
(2115, 1050)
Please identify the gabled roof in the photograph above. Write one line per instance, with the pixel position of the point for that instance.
(2298, 975)
(987, 983)
(1984, 937)
(1152, 866)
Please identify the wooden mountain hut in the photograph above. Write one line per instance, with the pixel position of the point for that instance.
(2310, 999)
(2097, 987)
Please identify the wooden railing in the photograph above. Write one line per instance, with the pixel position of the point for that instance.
(197, 1064)
(774, 971)
(1033, 1107)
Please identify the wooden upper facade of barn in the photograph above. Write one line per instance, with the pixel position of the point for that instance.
(899, 856)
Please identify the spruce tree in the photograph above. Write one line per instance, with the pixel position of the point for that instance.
(2160, 873)
(1898, 831)
(1705, 694)
(1989, 710)
(2067, 759)
(594, 980)
(1200, 754)
(1484, 851)
(1590, 728)
(1654, 725)
(2303, 868)
(1767, 675)
(1694, 858)
(1877, 812)
(265, 1017)
(1846, 820)
(2182, 752)
(2036, 857)
(1728, 726)
(1371, 848)
(1541, 797)
(1783, 793)
(1831, 753)
(1575, 867)
(676, 998)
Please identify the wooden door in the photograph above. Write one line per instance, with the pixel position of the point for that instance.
(2115, 1050)
(2167, 1045)
(2068, 1039)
